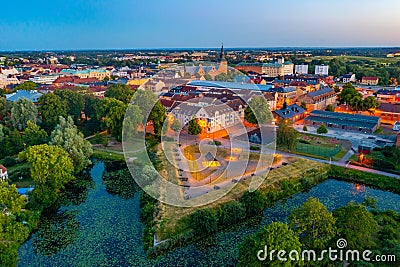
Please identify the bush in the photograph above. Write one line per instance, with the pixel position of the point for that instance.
(9, 161)
(231, 213)
(254, 148)
(254, 202)
(305, 128)
(322, 129)
(217, 143)
(304, 141)
(204, 222)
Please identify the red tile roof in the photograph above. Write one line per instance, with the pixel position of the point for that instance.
(3, 169)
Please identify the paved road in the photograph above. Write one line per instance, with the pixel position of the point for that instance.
(343, 164)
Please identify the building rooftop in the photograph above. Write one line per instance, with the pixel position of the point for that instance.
(290, 111)
(230, 85)
(31, 95)
(320, 92)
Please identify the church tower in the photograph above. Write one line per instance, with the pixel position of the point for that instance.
(223, 63)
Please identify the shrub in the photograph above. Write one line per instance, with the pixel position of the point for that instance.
(305, 128)
(254, 148)
(322, 129)
(254, 202)
(304, 141)
(204, 222)
(9, 161)
(231, 213)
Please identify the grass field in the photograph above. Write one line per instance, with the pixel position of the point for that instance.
(172, 221)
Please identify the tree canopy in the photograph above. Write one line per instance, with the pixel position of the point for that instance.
(23, 111)
(51, 107)
(258, 111)
(120, 92)
(67, 136)
(275, 237)
(314, 224)
(75, 103)
(286, 136)
(194, 127)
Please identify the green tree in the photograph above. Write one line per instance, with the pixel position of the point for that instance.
(120, 92)
(75, 103)
(274, 237)
(303, 105)
(114, 116)
(176, 125)
(208, 77)
(33, 135)
(51, 168)
(305, 128)
(158, 117)
(370, 104)
(231, 213)
(146, 101)
(23, 111)
(67, 136)
(133, 118)
(254, 202)
(51, 107)
(12, 231)
(286, 136)
(3, 107)
(330, 108)
(347, 94)
(204, 222)
(322, 129)
(314, 224)
(357, 225)
(28, 85)
(194, 127)
(258, 111)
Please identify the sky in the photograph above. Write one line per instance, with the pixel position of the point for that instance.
(137, 24)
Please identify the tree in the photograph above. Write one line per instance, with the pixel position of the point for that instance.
(67, 136)
(51, 168)
(12, 231)
(322, 129)
(176, 125)
(330, 108)
(158, 117)
(145, 100)
(194, 127)
(33, 135)
(75, 103)
(305, 128)
(254, 202)
(120, 92)
(286, 136)
(258, 111)
(370, 104)
(231, 213)
(208, 77)
(204, 222)
(314, 224)
(51, 108)
(23, 111)
(133, 118)
(114, 112)
(3, 107)
(303, 105)
(28, 85)
(347, 94)
(357, 225)
(274, 237)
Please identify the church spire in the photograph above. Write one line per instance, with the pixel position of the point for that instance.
(222, 55)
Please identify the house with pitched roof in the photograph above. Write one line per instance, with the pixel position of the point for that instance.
(319, 99)
(3, 173)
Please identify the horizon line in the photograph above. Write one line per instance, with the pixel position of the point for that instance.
(194, 48)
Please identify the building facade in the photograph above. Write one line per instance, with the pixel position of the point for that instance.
(321, 70)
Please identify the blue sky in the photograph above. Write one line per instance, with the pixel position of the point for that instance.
(118, 24)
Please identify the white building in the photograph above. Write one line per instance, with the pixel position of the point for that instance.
(212, 117)
(321, 70)
(301, 69)
(349, 78)
(9, 71)
(44, 79)
(3, 173)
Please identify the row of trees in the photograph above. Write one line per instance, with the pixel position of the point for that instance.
(312, 226)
